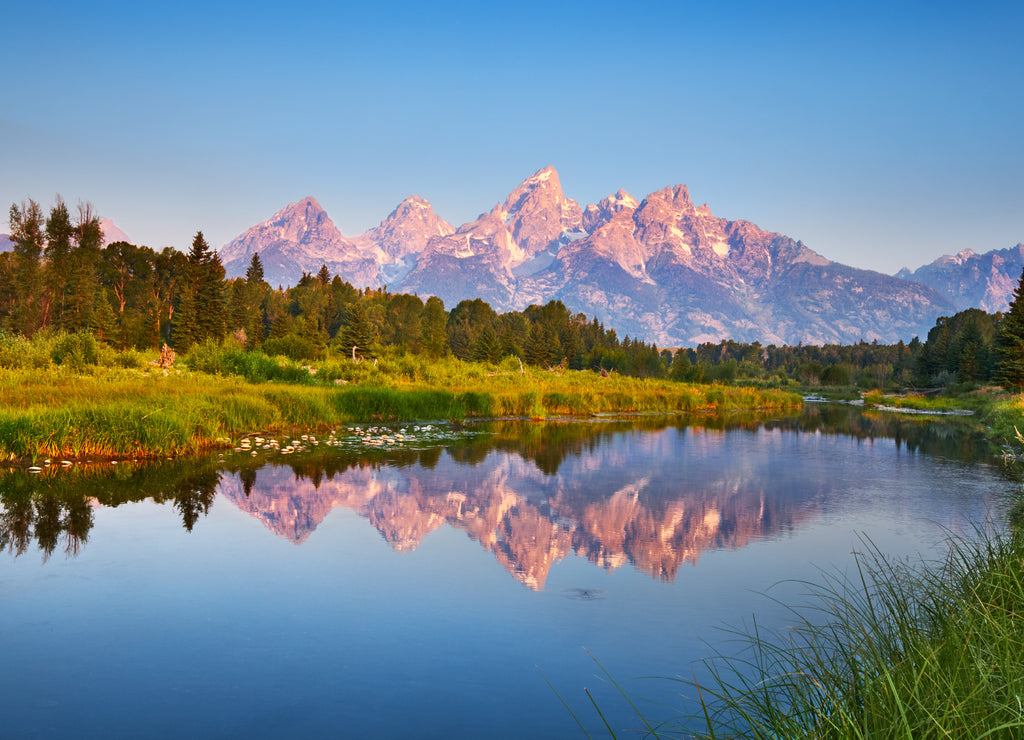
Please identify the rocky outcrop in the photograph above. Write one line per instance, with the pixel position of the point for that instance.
(971, 280)
(661, 269)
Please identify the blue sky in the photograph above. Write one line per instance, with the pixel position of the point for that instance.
(883, 135)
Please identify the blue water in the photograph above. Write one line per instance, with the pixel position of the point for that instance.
(438, 593)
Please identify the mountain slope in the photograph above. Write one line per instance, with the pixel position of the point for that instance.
(971, 280)
(671, 272)
(661, 268)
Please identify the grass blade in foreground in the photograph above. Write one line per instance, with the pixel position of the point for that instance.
(906, 652)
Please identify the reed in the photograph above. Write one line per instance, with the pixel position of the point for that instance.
(935, 650)
(925, 650)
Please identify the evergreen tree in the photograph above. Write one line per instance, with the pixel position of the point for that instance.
(211, 307)
(200, 311)
(83, 278)
(254, 273)
(256, 291)
(356, 331)
(57, 271)
(487, 347)
(1010, 342)
(681, 366)
(433, 331)
(27, 235)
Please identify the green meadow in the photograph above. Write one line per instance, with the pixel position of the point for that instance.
(92, 401)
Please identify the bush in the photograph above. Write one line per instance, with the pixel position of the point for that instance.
(206, 357)
(292, 346)
(18, 352)
(76, 351)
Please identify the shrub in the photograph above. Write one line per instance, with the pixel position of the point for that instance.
(76, 351)
(292, 346)
(206, 357)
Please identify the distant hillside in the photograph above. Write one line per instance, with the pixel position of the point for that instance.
(971, 280)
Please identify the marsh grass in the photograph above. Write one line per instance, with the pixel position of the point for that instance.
(899, 650)
(64, 395)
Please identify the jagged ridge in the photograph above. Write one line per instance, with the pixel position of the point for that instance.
(661, 269)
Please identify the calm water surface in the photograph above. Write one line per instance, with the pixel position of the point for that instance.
(433, 590)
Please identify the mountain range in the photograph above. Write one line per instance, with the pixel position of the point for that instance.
(969, 279)
(659, 268)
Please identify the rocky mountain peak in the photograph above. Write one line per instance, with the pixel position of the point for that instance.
(594, 215)
(408, 229)
(299, 237)
(970, 279)
(111, 233)
(537, 212)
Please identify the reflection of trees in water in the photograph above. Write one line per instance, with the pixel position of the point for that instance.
(193, 495)
(952, 437)
(50, 517)
(55, 509)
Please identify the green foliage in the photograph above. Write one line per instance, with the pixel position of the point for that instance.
(17, 352)
(928, 651)
(76, 351)
(201, 309)
(1010, 342)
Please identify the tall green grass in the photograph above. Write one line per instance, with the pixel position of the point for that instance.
(928, 650)
(67, 395)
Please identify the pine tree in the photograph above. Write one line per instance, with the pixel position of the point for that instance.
(487, 347)
(254, 273)
(58, 269)
(27, 234)
(356, 331)
(211, 307)
(255, 292)
(1010, 342)
(433, 323)
(83, 278)
(200, 311)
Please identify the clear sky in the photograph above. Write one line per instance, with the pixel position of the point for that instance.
(881, 134)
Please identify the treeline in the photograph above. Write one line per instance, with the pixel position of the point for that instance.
(59, 277)
(959, 349)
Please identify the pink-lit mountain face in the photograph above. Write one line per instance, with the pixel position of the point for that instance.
(972, 280)
(660, 268)
(111, 233)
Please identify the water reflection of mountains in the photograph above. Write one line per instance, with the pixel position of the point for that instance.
(531, 494)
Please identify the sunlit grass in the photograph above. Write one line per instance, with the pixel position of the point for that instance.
(118, 405)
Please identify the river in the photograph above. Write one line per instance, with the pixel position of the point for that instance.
(454, 582)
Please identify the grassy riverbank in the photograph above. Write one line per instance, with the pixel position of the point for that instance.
(128, 408)
(935, 650)
(898, 650)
